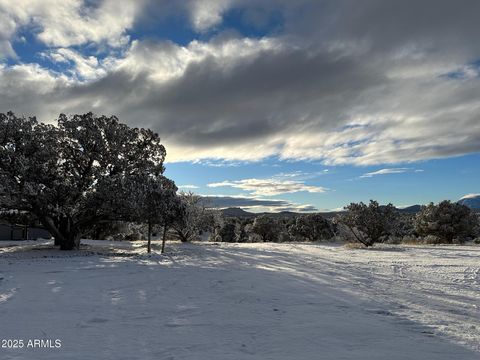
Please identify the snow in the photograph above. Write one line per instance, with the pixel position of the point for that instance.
(241, 301)
(470, 196)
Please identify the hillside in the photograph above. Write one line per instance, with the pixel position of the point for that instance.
(240, 213)
(472, 201)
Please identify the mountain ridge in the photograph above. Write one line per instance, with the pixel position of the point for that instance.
(471, 200)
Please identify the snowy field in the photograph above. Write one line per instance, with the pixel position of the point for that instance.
(241, 301)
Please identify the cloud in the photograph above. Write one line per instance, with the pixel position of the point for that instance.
(219, 201)
(298, 208)
(188, 187)
(389, 171)
(7, 30)
(219, 163)
(256, 204)
(269, 187)
(63, 23)
(300, 175)
(84, 67)
(470, 196)
(340, 83)
(205, 14)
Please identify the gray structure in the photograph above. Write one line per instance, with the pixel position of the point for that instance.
(22, 232)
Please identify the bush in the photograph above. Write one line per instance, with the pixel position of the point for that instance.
(369, 223)
(432, 240)
(227, 231)
(266, 228)
(404, 225)
(285, 237)
(312, 227)
(447, 221)
(411, 240)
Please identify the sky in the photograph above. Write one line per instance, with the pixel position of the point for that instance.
(269, 105)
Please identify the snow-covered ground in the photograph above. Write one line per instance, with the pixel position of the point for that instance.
(241, 301)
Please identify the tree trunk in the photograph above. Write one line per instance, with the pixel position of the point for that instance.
(181, 235)
(164, 238)
(69, 243)
(70, 240)
(63, 233)
(149, 242)
(366, 243)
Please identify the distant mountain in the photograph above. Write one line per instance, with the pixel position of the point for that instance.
(411, 209)
(282, 214)
(240, 213)
(237, 212)
(471, 200)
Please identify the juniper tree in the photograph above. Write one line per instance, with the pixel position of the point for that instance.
(313, 227)
(76, 174)
(266, 227)
(446, 220)
(369, 223)
(168, 209)
(227, 230)
(240, 232)
(152, 200)
(193, 219)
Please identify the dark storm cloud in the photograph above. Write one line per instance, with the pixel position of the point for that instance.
(386, 25)
(436, 24)
(260, 97)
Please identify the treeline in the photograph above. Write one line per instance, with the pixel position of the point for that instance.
(445, 222)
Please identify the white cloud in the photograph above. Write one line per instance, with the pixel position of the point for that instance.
(218, 163)
(389, 171)
(7, 30)
(188, 186)
(63, 23)
(470, 196)
(205, 14)
(300, 175)
(163, 62)
(84, 67)
(269, 187)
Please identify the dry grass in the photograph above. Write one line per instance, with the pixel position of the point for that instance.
(354, 246)
(410, 240)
